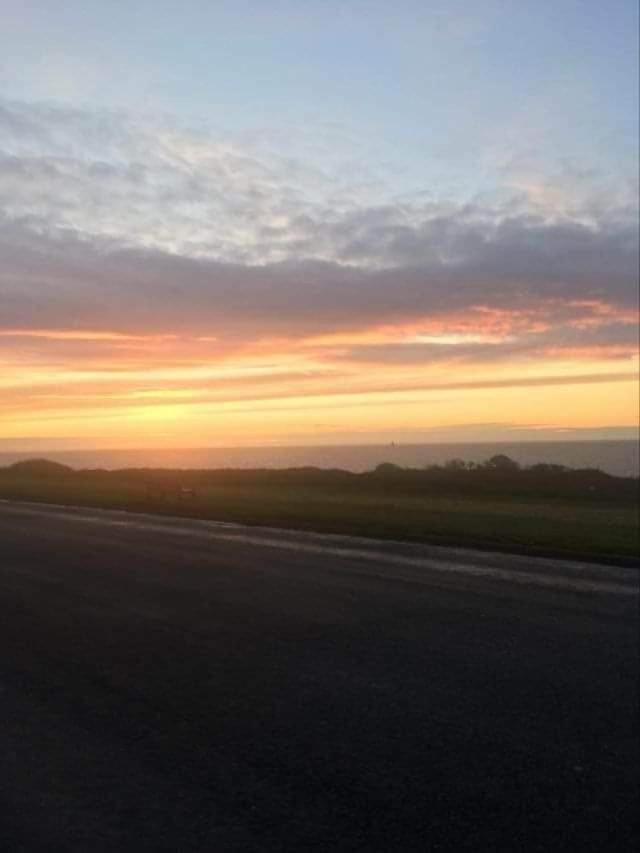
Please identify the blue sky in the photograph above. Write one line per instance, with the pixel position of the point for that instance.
(439, 96)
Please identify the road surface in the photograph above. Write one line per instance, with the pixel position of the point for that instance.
(168, 684)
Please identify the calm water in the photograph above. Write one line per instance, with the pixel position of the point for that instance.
(615, 457)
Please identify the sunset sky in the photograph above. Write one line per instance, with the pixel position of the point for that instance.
(317, 221)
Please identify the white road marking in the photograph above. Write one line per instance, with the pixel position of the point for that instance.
(223, 531)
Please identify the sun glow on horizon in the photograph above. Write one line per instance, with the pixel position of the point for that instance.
(319, 387)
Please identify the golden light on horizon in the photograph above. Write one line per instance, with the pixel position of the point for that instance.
(310, 388)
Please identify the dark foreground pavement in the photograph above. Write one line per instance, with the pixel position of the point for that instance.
(185, 686)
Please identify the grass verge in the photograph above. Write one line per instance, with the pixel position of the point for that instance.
(604, 532)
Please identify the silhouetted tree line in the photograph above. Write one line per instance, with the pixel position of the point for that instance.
(499, 476)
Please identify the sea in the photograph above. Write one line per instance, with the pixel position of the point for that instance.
(621, 457)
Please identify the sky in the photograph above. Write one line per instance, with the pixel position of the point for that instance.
(317, 221)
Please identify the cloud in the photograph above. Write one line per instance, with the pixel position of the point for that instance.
(113, 226)
(617, 341)
(69, 280)
(148, 183)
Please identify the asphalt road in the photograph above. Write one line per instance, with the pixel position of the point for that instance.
(185, 686)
